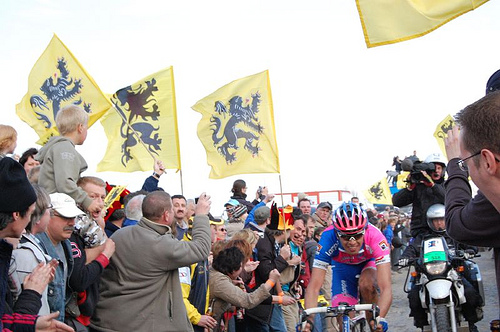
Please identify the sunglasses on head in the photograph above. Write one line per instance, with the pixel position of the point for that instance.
(349, 237)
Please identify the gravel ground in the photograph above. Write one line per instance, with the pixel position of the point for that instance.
(398, 315)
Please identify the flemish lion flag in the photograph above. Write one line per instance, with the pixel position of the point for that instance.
(237, 128)
(379, 193)
(56, 80)
(392, 21)
(146, 108)
(442, 130)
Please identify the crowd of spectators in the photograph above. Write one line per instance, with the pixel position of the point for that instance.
(67, 263)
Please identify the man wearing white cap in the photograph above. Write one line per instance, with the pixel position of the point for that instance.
(55, 242)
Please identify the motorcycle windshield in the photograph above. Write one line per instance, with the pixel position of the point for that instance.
(434, 250)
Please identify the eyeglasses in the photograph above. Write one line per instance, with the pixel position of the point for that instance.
(223, 230)
(62, 217)
(350, 237)
(463, 166)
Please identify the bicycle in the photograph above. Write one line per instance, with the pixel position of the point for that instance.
(356, 324)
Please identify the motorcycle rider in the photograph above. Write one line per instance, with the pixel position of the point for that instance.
(471, 310)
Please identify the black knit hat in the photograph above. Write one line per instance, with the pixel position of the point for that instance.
(16, 192)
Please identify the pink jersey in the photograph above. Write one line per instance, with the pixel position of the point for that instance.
(375, 247)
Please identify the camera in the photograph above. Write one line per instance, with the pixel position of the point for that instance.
(416, 175)
(259, 191)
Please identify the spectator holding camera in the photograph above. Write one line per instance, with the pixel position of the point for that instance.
(239, 191)
(424, 188)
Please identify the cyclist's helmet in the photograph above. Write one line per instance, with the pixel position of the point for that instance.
(435, 211)
(350, 218)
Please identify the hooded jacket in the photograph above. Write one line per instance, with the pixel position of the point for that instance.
(61, 166)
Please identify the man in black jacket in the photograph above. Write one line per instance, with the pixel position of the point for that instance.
(428, 190)
(476, 221)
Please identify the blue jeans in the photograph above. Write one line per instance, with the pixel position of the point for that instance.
(277, 323)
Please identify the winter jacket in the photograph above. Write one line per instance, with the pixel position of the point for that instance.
(422, 197)
(269, 260)
(242, 198)
(61, 166)
(473, 221)
(85, 279)
(142, 279)
(28, 302)
(226, 294)
(27, 256)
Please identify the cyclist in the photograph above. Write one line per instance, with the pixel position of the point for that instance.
(354, 248)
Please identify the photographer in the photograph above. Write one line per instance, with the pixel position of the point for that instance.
(424, 188)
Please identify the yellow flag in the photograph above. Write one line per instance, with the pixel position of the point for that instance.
(392, 21)
(237, 128)
(401, 180)
(113, 195)
(147, 110)
(441, 130)
(56, 80)
(379, 193)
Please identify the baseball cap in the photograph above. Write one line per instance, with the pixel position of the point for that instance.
(232, 202)
(327, 205)
(64, 205)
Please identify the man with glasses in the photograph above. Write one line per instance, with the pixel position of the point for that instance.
(475, 150)
(55, 242)
(354, 247)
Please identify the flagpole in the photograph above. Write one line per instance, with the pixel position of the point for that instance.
(133, 131)
(281, 190)
(182, 186)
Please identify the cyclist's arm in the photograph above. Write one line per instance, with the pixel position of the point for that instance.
(384, 283)
(312, 291)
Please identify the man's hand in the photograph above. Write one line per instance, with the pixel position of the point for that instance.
(295, 260)
(428, 179)
(207, 321)
(403, 262)
(203, 205)
(40, 277)
(285, 252)
(250, 266)
(109, 248)
(95, 207)
(158, 167)
(451, 143)
(287, 300)
(48, 323)
(268, 198)
(274, 275)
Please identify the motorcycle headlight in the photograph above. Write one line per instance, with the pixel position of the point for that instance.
(435, 268)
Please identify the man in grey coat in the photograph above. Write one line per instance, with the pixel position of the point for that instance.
(142, 279)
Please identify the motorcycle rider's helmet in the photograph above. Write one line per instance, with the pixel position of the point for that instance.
(436, 212)
(350, 218)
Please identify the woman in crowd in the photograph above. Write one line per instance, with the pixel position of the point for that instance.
(227, 289)
(29, 254)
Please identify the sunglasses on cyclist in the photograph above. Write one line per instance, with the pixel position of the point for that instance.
(350, 237)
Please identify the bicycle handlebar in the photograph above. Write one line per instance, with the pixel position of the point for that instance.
(341, 309)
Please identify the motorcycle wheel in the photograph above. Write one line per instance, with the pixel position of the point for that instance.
(442, 318)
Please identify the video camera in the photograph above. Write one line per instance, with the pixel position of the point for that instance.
(416, 168)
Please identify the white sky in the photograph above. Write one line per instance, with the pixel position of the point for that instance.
(342, 111)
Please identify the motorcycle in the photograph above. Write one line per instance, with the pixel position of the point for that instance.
(439, 273)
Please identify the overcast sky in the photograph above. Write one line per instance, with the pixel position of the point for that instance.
(342, 111)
